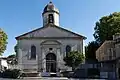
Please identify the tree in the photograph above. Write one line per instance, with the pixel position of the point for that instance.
(73, 59)
(3, 41)
(90, 51)
(106, 27)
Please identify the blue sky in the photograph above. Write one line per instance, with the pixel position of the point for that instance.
(20, 16)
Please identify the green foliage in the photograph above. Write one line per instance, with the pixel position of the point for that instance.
(106, 27)
(67, 74)
(93, 72)
(90, 50)
(3, 41)
(11, 73)
(73, 59)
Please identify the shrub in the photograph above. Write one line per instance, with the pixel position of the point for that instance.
(67, 74)
(64, 74)
(0, 74)
(11, 73)
(93, 72)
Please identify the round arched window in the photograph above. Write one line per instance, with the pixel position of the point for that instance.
(33, 52)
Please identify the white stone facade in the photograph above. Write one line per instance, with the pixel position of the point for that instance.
(43, 50)
(49, 39)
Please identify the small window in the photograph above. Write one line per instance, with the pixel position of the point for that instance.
(68, 49)
(51, 19)
(50, 49)
(33, 52)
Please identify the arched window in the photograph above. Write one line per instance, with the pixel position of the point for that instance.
(68, 49)
(33, 52)
(50, 18)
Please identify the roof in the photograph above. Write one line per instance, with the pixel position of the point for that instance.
(50, 7)
(80, 36)
(103, 44)
(4, 58)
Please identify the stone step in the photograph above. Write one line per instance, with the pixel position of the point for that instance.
(46, 78)
(30, 74)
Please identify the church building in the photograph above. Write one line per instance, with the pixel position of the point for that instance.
(43, 50)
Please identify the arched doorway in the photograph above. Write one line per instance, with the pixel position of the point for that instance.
(50, 62)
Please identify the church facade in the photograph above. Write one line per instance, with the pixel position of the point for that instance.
(43, 50)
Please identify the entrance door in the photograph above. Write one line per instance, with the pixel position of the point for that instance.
(51, 62)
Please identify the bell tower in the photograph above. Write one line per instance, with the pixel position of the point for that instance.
(50, 15)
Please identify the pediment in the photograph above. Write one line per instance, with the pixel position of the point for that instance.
(50, 31)
(53, 42)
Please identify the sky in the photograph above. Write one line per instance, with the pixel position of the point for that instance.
(20, 16)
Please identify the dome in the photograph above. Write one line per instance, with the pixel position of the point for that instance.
(50, 7)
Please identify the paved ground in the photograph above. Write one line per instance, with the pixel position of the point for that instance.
(49, 78)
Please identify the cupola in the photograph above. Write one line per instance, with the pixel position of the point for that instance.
(50, 14)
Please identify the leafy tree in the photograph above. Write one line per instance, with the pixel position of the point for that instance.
(3, 41)
(73, 59)
(106, 27)
(90, 51)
